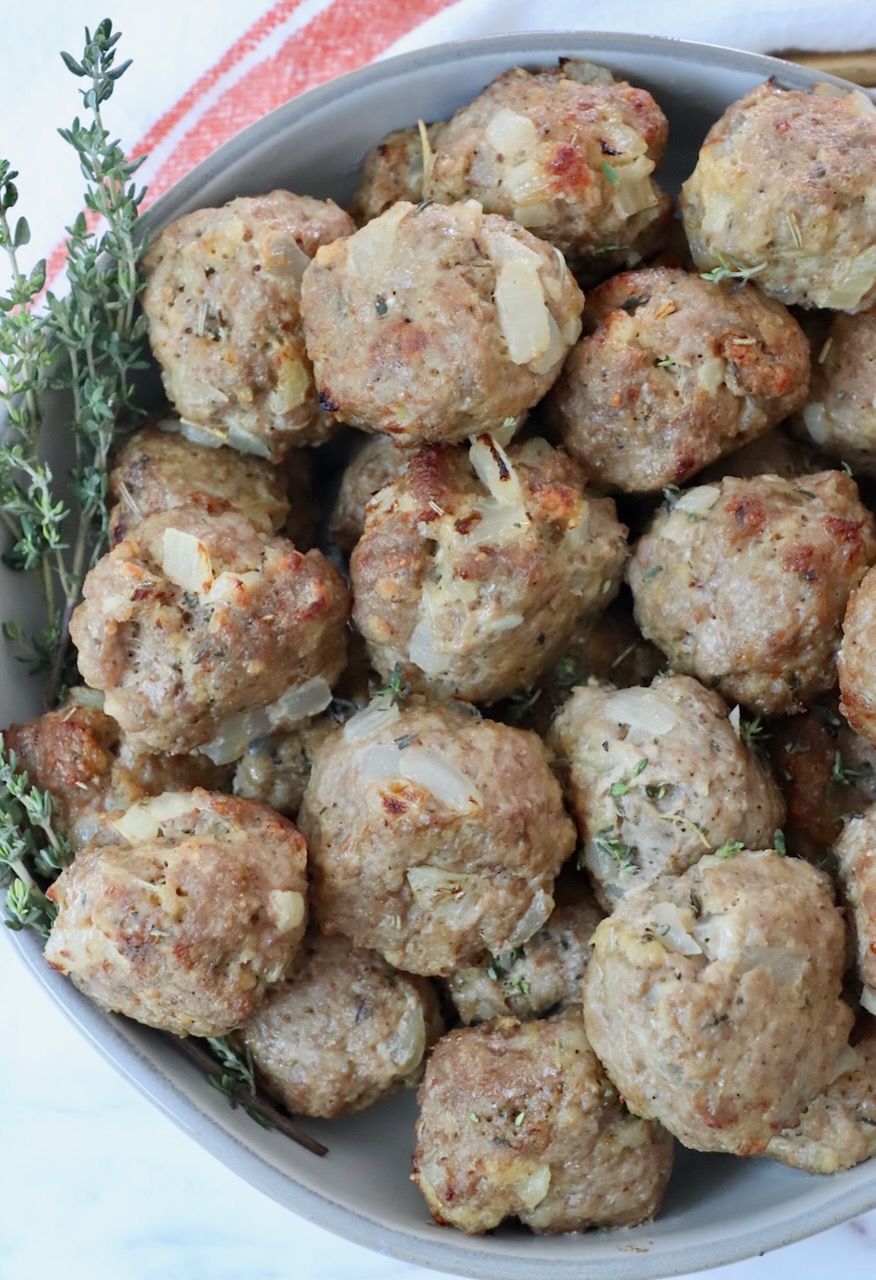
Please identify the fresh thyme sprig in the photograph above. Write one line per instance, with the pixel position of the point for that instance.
(233, 1074)
(30, 847)
(730, 268)
(87, 343)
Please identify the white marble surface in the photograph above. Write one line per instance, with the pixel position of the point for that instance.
(95, 1184)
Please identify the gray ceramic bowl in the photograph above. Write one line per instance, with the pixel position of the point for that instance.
(718, 1209)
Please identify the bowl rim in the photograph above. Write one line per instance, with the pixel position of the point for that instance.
(179, 1090)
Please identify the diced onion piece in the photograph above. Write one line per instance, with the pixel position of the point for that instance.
(533, 1188)
(209, 437)
(372, 249)
(815, 421)
(503, 622)
(381, 763)
(645, 711)
(434, 887)
(527, 183)
(380, 713)
(233, 588)
(538, 214)
(186, 561)
(846, 1060)
(695, 502)
(671, 931)
(522, 311)
(286, 909)
(735, 718)
(555, 352)
(622, 138)
(144, 820)
(710, 373)
(858, 281)
(246, 442)
(531, 921)
(447, 784)
(235, 734)
(423, 651)
(499, 523)
(495, 471)
(407, 1044)
(635, 190)
(428, 153)
(868, 1000)
(502, 247)
(509, 132)
(293, 384)
(299, 702)
(85, 697)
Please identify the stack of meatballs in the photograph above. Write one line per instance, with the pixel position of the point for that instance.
(480, 687)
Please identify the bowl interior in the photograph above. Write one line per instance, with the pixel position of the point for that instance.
(718, 1208)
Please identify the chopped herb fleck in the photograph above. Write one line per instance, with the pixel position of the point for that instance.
(779, 842)
(519, 1118)
(611, 844)
(729, 849)
(696, 905)
(610, 173)
(652, 572)
(405, 741)
(730, 268)
(380, 305)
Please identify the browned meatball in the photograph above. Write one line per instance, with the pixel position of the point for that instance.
(437, 323)
(713, 998)
(672, 372)
(840, 413)
(78, 754)
(520, 1120)
(159, 470)
(744, 584)
(393, 171)
(856, 858)
(838, 1128)
(342, 1030)
(474, 569)
(222, 299)
(783, 190)
(183, 912)
(373, 464)
(195, 618)
(433, 834)
(658, 777)
(540, 977)
(564, 151)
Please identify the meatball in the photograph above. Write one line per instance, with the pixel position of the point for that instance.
(713, 998)
(183, 912)
(433, 834)
(782, 191)
(342, 1030)
(744, 584)
(393, 171)
(158, 470)
(374, 464)
(826, 771)
(856, 662)
(658, 777)
(474, 569)
(194, 618)
(436, 323)
(542, 976)
(520, 1120)
(837, 1130)
(222, 300)
(856, 858)
(840, 413)
(78, 754)
(772, 454)
(672, 372)
(566, 152)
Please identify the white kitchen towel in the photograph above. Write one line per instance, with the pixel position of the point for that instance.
(202, 72)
